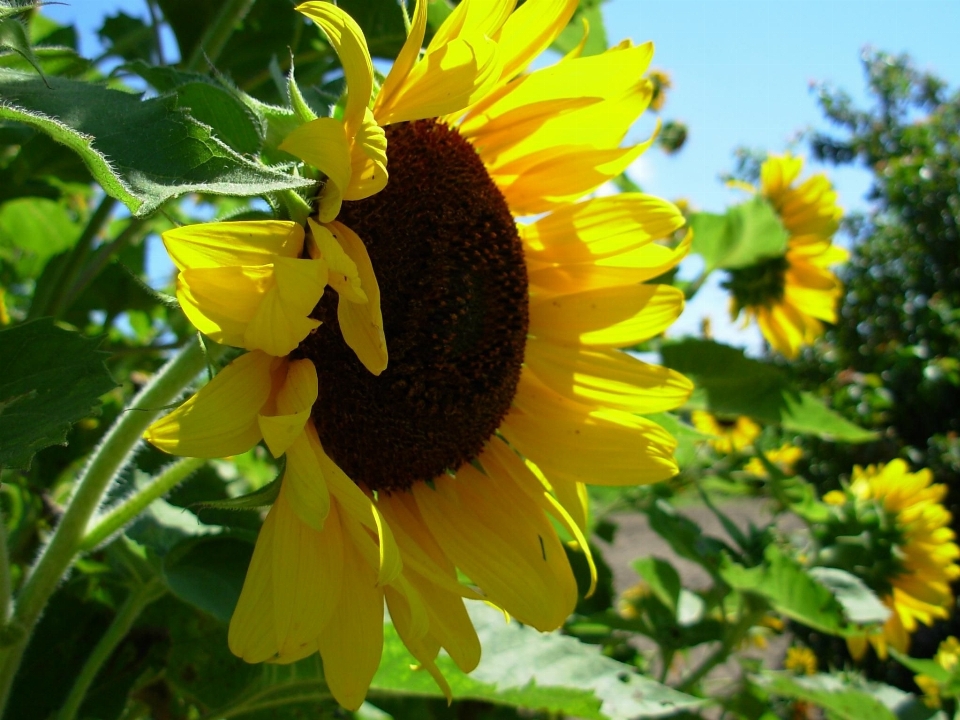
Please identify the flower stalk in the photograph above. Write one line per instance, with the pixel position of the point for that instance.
(108, 459)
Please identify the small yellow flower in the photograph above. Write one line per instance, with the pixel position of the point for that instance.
(835, 497)
(948, 654)
(930, 689)
(731, 435)
(784, 457)
(800, 660)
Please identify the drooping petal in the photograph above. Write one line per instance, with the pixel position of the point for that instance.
(477, 17)
(343, 274)
(221, 418)
(294, 401)
(304, 480)
(223, 244)
(352, 642)
(362, 324)
(347, 40)
(324, 144)
(292, 588)
(611, 317)
(503, 542)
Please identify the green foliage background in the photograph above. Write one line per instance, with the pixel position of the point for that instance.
(89, 169)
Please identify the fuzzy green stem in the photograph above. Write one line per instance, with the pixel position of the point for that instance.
(4, 574)
(123, 513)
(217, 34)
(136, 601)
(108, 459)
(49, 302)
(98, 262)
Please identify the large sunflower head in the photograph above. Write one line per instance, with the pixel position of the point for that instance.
(790, 296)
(504, 390)
(890, 528)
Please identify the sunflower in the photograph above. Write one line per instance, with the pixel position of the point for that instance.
(800, 660)
(891, 529)
(730, 436)
(505, 390)
(790, 296)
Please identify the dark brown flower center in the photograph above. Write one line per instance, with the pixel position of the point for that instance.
(453, 287)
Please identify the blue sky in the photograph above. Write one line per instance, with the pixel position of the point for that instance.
(742, 71)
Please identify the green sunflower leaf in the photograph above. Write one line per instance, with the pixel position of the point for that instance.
(13, 35)
(731, 384)
(537, 671)
(820, 600)
(747, 234)
(49, 379)
(207, 572)
(106, 128)
(848, 697)
(572, 34)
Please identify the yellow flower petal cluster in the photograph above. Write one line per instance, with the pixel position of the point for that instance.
(928, 552)
(333, 550)
(947, 657)
(730, 436)
(800, 660)
(810, 290)
(784, 457)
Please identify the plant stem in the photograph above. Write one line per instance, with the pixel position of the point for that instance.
(136, 601)
(733, 636)
(4, 574)
(217, 34)
(124, 512)
(48, 302)
(108, 459)
(98, 262)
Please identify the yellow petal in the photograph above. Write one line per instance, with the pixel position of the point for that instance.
(223, 244)
(324, 144)
(282, 320)
(343, 275)
(294, 402)
(530, 30)
(612, 317)
(540, 182)
(477, 17)
(574, 442)
(291, 589)
(221, 301)
(368, 161)
(304, 481)
(347, 40)
(382, 106)
(599, 228)
(628, 268)
(503, 542)
(606, 378)
(499, 459)
(360, 508)
(352, 642)
(221, 418)
(362, 324)
(447, 79)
